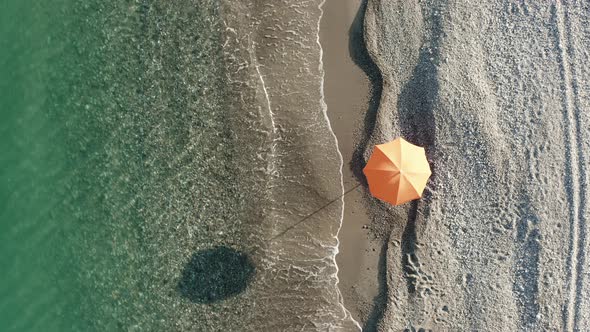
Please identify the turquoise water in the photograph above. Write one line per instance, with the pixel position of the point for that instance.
(33, 170)
(116, 163)
(156, 175)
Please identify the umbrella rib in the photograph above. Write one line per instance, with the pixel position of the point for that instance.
(391, 160)
(394, 165)
(412, 184)
(405, 178)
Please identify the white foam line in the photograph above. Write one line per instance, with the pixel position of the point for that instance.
(271, 168)
(272, 118)
(325, 112)
(257, 67)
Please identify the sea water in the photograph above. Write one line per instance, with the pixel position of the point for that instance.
(113, 141)
(150, 169)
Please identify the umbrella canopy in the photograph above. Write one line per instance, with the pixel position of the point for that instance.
(397, 171)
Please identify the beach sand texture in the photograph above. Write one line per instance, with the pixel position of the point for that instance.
(497, 92)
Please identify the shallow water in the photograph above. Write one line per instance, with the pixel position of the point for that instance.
(138, 142)
(115, 144)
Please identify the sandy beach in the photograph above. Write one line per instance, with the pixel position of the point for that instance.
(495, 92)
(348, 91)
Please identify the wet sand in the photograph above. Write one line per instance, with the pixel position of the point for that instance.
(347, 90)
(276, 74)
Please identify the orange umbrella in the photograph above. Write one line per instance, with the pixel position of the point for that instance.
(397, 171)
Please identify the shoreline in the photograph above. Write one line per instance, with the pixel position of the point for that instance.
(322, 70)
(347, 92)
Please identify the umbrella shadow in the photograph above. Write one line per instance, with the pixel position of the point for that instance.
(215, 274)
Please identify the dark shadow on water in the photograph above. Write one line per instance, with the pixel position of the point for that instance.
(215, 274)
